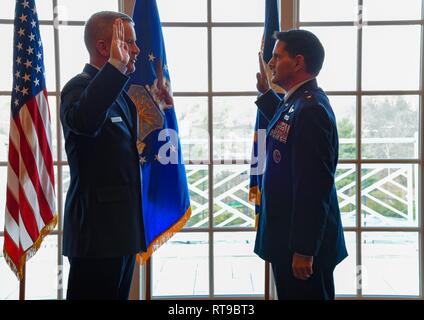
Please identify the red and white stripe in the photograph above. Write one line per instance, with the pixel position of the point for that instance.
(30, 198)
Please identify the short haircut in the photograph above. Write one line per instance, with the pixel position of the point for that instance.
(305, 43)
(100, 27)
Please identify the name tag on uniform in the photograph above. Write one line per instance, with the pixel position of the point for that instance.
(280, 131)
(116, 119)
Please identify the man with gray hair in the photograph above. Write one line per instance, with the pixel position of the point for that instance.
(103, 222)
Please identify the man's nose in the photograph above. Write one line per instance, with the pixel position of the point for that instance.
(136, 49)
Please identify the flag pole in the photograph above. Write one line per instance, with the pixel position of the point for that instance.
(149, 279)
(267, 278)
(22, 284)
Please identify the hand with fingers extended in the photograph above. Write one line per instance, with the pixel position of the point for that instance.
(262, 83)
(119, 48)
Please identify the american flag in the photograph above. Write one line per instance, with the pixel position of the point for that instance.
(30, 198)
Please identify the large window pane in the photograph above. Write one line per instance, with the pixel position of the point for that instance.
(73, 54)
(238, 270)
(3, 186)
(7, 9)
(328, 10)
(235, 58)
(387, 66)
(186, 53)
(238, 11)
(339, 68)
(344, 108)
(192, 114)
(81, 9)
(198, 184)
(9, 288)
(47, 38)
(182, 10)
(4, 126)
(233, 125)
(390, 263)
(389, 195)
(66, 179)
(231, 205)
(180, 267)
(345, 273)
(390, 127)
(53, 112)
(6, 62)
(393, 10)
(44, 9)
(42, 271)
(346, 191)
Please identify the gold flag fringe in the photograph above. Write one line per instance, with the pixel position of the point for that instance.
(255, 195)
(31, 251)
(164, 237)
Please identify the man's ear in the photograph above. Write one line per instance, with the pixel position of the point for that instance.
(103, 48)
(300, 62)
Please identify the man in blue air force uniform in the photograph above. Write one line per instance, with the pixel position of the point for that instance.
(103, 225)
(300, 230)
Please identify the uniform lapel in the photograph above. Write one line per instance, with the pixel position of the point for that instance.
(310, 85)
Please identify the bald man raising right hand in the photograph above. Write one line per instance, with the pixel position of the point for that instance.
(103, 223)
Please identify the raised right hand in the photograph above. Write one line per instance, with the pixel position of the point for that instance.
(119, 48)
(262, 83)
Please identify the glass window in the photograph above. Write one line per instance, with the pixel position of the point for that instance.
(81, 10)
(73, 53)
(233, 124)
(182, 10)
(389, 195)
(393, 10)
(192, 114)
(346, 191)
(344, 108)
(180, 267)
(8, 10)
(42, 271)
(9, 289)
(4, 127)
(390, 263)
(3, 186)
(230, 11)
(387, 66)
(235, 58)
(47, 37)
(345, 274)
(6, 63)
(238, 270)
(186, 53)
(231, 205)
(328, 10)
(198, 184)
(390, 127)
(44, 9)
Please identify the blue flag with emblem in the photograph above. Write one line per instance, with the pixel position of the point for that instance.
(271, 25)
(165, 195)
